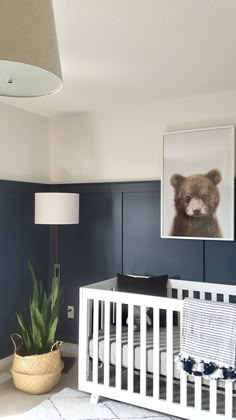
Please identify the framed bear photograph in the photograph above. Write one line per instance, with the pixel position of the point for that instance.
(197, 186)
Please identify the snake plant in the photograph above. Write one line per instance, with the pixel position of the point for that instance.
(39, 323)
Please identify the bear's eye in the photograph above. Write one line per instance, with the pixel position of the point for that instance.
(204, 196)
(187, 198)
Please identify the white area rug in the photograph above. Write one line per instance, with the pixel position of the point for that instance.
(74, 405)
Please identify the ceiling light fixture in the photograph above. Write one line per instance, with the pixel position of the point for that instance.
(29, 57)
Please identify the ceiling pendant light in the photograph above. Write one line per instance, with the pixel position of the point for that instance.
(29, 57)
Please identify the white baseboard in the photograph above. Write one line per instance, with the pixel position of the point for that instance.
(70, 349)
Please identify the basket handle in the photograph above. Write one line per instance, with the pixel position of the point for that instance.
(56, 344)
(13, 340)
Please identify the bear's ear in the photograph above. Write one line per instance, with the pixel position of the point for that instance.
(176, 180)
(215, 176)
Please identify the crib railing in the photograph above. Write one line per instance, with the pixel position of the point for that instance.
(101, 307)
(210, 291)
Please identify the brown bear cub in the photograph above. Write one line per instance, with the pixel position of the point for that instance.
(196, 200)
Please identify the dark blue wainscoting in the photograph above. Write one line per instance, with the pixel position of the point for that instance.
(90, 251)
(20, 240)
(119, 231)
(144, 252)
(220, 262)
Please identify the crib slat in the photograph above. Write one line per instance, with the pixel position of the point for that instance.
(89, 318)
(169, 331)
(214, 296)
(183, 388)
(190, 294)
(202, 295)
(156, 353)
(213, 397)
(143, 361)
(89, 313)
(118, 345)
(107, 344)
(179, 294)
(83, 333)
(113, 313)
(95, 342)
(131, 348)
(183, 376)
(226, 298)
(102, 315)
(198, 393)
(228, 399)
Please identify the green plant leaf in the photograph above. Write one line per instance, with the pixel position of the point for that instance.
(24, 332)
(44, 308)
(21, 321)
(55, 310)
(27, 344)
(39, 324)
(55, 291)
(36, 344)
(35, 293)
(51, 333)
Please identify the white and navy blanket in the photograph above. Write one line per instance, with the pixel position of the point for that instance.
(208, 339)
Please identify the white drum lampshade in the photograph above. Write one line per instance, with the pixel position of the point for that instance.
(56, 208)
(29, 57)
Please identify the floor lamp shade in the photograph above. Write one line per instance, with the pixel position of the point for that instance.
(56, 208)
(29, 57)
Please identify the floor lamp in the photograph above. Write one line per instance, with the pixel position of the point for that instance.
(56, 209)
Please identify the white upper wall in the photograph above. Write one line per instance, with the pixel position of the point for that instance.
(126, 144)
(100, 147)
(122, 144)
(24, 145)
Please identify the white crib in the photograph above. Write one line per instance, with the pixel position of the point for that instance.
(166, 392)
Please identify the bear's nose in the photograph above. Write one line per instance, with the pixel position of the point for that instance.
(196, 212)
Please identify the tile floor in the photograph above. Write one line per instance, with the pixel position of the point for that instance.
(14, 402)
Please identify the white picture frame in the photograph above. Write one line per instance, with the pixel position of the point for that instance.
(197, 184)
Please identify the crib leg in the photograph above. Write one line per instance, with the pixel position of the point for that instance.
(94, 399)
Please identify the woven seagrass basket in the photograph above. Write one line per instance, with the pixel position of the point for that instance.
(39, 373)
(35, 384)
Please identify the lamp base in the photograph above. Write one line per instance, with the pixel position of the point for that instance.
(57, 271)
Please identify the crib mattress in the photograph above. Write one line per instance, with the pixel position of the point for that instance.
(149, 349)
(137, 348)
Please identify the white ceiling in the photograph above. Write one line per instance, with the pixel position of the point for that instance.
(115, 52)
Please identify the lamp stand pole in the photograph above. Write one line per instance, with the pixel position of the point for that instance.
(57, 268)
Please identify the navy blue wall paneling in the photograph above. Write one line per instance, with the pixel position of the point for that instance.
(89, 252)
(220, 266)
(4, 310)
(20, 240)
(144, 252)
(119, 231)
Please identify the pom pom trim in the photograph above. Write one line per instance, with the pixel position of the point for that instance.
(206, 370)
